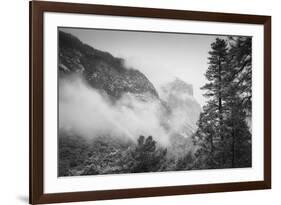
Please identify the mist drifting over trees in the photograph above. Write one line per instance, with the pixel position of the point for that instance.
(113, 120)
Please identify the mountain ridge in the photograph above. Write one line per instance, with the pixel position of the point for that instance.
(100, 69)
(104, 72)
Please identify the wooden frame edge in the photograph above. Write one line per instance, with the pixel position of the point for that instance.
(149, 192)
(36, 103)
(267, 101)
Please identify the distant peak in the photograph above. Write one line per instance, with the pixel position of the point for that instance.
(179, 85)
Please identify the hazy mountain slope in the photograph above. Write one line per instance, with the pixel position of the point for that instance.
(100, 136)
(100, 69)
(184, 109)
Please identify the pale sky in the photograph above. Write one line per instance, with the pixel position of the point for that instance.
(160, 56)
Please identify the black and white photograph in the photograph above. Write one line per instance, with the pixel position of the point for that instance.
(147, 101)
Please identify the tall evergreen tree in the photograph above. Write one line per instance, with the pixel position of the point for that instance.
(239, 100)
(240, 57)
(223, 135)
(210, 133)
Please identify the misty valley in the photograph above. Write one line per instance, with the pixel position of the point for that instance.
(113, 119)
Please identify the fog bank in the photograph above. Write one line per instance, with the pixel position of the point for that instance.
(86, 112)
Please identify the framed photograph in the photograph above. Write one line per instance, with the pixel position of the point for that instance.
(139, 102)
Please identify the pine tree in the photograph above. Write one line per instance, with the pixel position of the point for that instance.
(147, 157)
(239, 101)
(240, 58)
(204, 139)
(211, 133)
(223, 136)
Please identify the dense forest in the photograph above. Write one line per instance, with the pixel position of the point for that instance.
(223, 133)
(221, 138)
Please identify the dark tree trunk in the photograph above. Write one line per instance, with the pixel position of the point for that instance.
(220, 114)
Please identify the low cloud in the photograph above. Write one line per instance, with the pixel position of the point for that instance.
(86, 112)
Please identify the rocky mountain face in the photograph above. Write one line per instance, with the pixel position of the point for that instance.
(100, 69)
(184, 109)
(177, 86)
(183, 113)
(108, 74)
